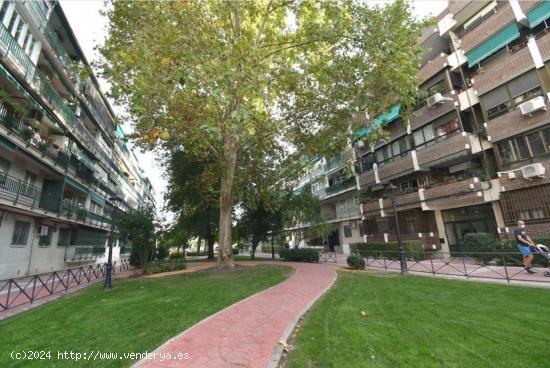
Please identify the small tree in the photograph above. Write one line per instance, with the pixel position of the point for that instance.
(138, 227)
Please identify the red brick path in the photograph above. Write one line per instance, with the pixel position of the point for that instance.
(247, 334)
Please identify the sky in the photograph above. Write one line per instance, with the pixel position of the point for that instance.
(89, 27)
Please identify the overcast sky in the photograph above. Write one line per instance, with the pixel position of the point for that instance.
(89, 27)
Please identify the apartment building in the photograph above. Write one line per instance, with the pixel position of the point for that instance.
(63, 156)
(474, 155)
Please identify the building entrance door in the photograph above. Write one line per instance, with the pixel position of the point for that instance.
(461, 221)
(333, 240)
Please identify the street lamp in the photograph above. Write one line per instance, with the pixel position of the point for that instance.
(402, 259)
(109, 272)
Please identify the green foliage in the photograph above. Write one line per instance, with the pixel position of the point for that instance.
(137, 226)
(11, 104)
(356, 262)
(168, 265)
(267, 248)
(413, 249)
(479, 243)
(232, 82)
(235, 251)
(176, 255)
(299, 255)
(161, 252)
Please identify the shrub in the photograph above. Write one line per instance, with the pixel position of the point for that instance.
(161, 252)
(267, 248)
(480, 243)
(235, 250)
(414, 249)
(176, 255)
(165, 266)
(299, 255)
(516, 259)
(356, 262)
(194, 254)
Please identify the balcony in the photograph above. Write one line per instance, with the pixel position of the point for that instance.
(78, 253)
(426, 114)
(81, 214)
(444, 148)
(494, 22)
(340, 159)
(397, 167)
(453, 194)
(18, 192)
(367, 179)
(503, 69)
(33, 142)
(343, 186)
(342, 214)
(513, 123)
(371, 207)
(97, 107)
(403, 201)
(13, 51)
(432, 67)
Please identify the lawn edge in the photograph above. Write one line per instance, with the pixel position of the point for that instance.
(277, 353)
(141, 362)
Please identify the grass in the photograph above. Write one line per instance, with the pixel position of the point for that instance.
(137, 316)
(416, 321)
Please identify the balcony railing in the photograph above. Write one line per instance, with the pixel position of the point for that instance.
(346, 184)
(50, 34)
(83, 252)
(16, 190)
(97, 106)
(340, 159)
(35, 77)
(72, 210)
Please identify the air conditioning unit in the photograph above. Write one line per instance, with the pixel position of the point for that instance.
(533, 105)
(533, 171)
(78, 111)
(42, 230)
(437, 99)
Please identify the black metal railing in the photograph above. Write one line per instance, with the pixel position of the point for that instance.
(27, 290)
(18, 191)
(505, 266)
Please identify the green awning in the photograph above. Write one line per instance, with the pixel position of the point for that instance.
(539, 13)
(70, 182)
(97, 198)
(493, 44)
(378, 121)
(84, 157)
(7, 143)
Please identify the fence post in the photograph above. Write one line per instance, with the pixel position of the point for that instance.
(464, 265)
(505, 268)
(432, 265)
(33, 288)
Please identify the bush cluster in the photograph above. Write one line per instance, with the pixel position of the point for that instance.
(176, 255)
(299, 255)
(267, 248)
(193, 254)
(414, 249)
(478, 243)
(165, 266)
(235, 250)
(356, 262)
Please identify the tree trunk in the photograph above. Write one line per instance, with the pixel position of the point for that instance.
(199, 245)
(225, 258)
(210, 242)
(254, 246)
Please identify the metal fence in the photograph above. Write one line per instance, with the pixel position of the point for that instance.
(506, 266)
(27, 290)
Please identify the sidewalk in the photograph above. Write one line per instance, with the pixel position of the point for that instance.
(247, 334)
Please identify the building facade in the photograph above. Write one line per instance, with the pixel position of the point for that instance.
(474, 156)
(62, 155)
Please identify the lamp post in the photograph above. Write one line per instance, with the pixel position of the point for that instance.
(402, 259)
(109, 271)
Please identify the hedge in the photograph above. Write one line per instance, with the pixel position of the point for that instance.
(165, 266)
(267, 248)
(176, 255)
(413, 249)
(299, 255)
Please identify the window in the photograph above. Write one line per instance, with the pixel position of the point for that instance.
(496, 102)
(27, 188)
(315, 187)
(525, 87)
(46, 241)
(64, 237)
(536, 144)
(4, 169)
(20, 233)
(366, 162)
(424, 136)
(347, 231)
(523, 151)
(409, 186)
(4, 10)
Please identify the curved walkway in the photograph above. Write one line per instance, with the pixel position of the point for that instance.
(247, 334)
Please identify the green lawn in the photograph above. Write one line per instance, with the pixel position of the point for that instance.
(417, 321)
(137, 316)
